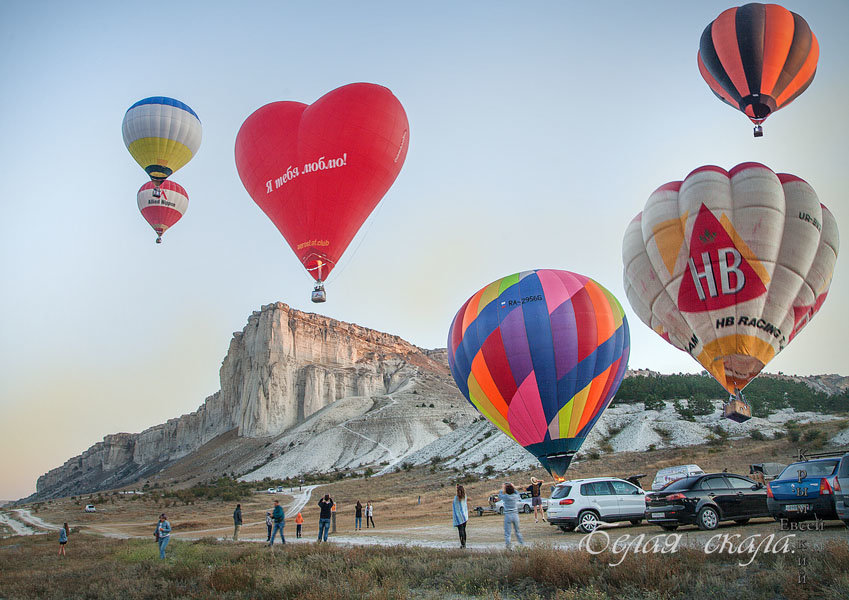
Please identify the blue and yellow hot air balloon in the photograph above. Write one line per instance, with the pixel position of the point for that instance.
(162, 134)
(541, 354)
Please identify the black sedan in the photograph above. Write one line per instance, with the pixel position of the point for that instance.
(705, 500)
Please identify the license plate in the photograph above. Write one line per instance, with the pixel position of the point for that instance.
(797, 507)
(658, 515)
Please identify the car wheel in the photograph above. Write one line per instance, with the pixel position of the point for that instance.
(708, 518)
(669, 527)
(526, 509)
(741, 521)
(480, 512)
(587, 521)
(501, 510)
(567, 528)
(636, 521)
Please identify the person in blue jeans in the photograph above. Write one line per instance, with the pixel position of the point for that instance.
(163, 534)
(510, 498)
(358, 516)
(324, 505)
(279, 523)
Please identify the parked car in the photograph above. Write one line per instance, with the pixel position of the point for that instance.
(272, 490)
(525, 504)
(90, 508)
(841, 490)
(669, 474)
(584, 503)
(705, 500)
(807, 489)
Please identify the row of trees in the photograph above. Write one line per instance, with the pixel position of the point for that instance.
(765, 394)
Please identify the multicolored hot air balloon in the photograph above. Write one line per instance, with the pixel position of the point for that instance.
(162, 135)
(164, 210)
(541, 354)
(319, 170)
(758, 58)
(729, 266)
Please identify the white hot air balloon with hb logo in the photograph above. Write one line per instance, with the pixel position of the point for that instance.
(729, 266)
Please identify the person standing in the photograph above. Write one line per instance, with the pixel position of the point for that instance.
(461, 514)
(369, 513)
(324, 505)
(536, 499)
(268, 524)
(358, 516)
(510, 499)
(237, 522)
(163, 534)
(63, 539)
(299, 520)
(279, 519)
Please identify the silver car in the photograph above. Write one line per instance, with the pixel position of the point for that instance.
(585, 503)
(841, 490)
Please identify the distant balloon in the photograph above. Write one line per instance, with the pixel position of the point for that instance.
(319, 170)
(758, 58)
(162, 211)
(730, 266)
(162, 135)
(541, 354)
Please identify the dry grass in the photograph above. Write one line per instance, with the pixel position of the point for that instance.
(104, 568)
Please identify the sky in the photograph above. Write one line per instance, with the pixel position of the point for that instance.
(537, 132)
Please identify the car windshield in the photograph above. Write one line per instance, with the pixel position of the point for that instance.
(561, 492)
(820, 468)
(685, 483)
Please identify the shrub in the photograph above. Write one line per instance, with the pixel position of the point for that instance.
(652, 402)
(757, 435)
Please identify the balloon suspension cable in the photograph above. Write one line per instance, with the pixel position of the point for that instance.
(337, 273)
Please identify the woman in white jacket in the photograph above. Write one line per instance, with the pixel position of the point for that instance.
(461, 514)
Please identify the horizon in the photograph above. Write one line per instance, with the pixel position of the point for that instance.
(536, 134)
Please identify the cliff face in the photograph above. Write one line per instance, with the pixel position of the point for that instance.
(283, 367)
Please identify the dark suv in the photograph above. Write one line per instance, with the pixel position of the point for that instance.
(705, 500)
(808, 489)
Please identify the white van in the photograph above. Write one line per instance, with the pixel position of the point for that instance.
(90, 508)
(670, 474)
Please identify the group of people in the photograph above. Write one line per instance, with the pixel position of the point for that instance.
(510, 499)
(359, 512)
(275, 520)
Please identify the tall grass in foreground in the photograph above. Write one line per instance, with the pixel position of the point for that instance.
(130, 569)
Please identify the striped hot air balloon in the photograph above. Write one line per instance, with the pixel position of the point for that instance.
(165, 209)
(758, 58)
(541, 354)
(162, 135)
(729, 266)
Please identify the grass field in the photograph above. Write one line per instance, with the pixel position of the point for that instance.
(129, 569)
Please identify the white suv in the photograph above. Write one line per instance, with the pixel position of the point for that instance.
(584, 503)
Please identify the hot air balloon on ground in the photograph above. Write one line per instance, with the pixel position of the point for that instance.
(162, 134)
(729, 266)
(758, 58)
(317, 171)
(163, 210)
(541, 354)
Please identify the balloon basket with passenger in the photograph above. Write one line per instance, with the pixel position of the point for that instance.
(318, 293)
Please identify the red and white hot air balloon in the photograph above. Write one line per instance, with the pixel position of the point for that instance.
(317, 171)
(164, 210)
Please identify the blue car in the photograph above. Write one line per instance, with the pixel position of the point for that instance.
(806, 490)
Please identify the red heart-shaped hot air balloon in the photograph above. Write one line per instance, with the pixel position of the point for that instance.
(319, 170)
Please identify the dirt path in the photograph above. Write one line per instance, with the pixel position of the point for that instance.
(16, 526)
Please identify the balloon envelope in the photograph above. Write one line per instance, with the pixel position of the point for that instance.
(729, 266)
(317, 171)
(758, 58)
(541, 354)
(162, 212)
(162, 134)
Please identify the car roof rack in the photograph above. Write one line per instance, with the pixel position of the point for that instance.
(810, 456)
